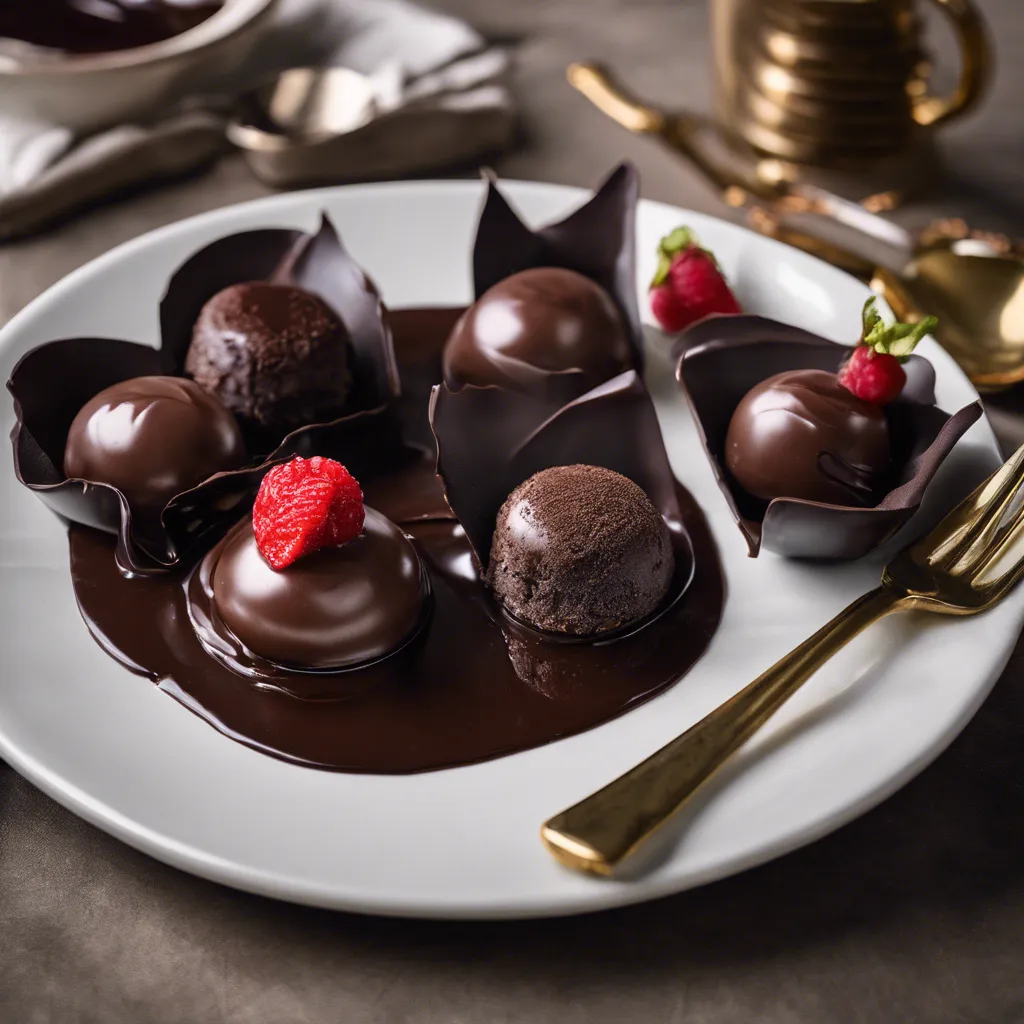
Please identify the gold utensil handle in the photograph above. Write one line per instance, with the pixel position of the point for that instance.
(595, 82)
(600, 831)
(977, 68)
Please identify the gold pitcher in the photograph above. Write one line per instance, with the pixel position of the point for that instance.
(837, 91)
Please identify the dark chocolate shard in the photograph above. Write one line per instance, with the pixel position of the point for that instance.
(598, 240)
(724, 357)
(490, 440)
(52, 382)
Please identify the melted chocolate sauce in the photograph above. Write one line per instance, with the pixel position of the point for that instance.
(77, 26)
(471, 686)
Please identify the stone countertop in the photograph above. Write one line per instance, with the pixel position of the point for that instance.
(911, 913)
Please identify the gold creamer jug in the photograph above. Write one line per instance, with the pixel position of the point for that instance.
(806, 87)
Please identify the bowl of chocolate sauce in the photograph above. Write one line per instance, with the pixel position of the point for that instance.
(90, 63)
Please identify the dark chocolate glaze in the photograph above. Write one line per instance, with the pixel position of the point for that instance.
(724, 357)
(153, 438)
(336, 608)
(548, 319)
(801, 434)
(76, 27)
(472, 685)
(597, 240)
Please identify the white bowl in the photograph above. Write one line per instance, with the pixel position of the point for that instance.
(91, 91)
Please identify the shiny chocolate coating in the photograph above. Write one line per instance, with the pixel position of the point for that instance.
(74, 26)
(152, 438)
(801, 434)
(335, 608)
(580, 550)
(276, 355)
(545, 319)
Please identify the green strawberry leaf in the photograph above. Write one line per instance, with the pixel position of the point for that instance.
(895, 339)
(675, 242)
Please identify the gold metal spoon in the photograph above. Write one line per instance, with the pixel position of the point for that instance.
(975, 287)
(957, 569)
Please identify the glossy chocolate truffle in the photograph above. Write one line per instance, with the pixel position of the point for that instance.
(546, 319)
(80, 26)
(801, 434)
(580, 550)
(152, 438)
(335, 608)
(277, 356)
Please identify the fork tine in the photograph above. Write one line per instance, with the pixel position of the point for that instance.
(1000, 543)
(991, 592)
(966, 533)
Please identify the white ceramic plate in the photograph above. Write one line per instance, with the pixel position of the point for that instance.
(464, 842)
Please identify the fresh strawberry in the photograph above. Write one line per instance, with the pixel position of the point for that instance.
(305, 505)
(874, 371)
(688, 284)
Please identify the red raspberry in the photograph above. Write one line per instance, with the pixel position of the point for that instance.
(873, 377)
(874, 371)
(688, 284)
(305, 505)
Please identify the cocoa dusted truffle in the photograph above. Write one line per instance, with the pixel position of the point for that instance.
(152, 438)
(545, 319)
(276, 355)
(802, 434)
(580, 550)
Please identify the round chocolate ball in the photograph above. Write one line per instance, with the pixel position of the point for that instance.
(580, 550)
(543, 319)
(335, 608)
(801, 434)
(275, 355)
(152, 437)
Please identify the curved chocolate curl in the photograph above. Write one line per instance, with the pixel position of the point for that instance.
(598, 240)
(51, 383)
(724, 357)
(490, 440)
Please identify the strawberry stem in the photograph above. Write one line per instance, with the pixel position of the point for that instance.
(895, 339)
(671, 245)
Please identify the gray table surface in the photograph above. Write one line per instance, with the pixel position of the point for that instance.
(912, 913)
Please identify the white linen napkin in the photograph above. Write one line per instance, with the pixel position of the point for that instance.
(418, 59)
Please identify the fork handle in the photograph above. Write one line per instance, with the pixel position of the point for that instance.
(603, 829)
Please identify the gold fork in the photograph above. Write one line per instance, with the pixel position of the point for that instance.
(948, 571)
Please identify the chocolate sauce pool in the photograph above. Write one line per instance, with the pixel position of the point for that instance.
(470, 687)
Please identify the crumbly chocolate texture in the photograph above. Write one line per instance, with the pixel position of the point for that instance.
(580, 550)
(274, 354)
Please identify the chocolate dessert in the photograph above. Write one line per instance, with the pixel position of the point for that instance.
(78, 27)
(545, 331)
(152, 438)
(274, 354)
(367, 639)
(471, 683)
(725, 358)
(580, 550)
(802, 434)
(54, 381)
(335, 608)
(547, 318)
